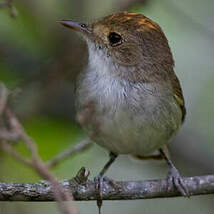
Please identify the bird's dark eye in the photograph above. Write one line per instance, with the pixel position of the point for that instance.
(114, 39)
(83, 25)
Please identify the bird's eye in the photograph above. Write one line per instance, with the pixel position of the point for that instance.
(83, 25)
(114, 39)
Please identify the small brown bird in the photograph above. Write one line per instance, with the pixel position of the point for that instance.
(129, 99)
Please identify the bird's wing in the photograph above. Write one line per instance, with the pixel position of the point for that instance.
(178, 95)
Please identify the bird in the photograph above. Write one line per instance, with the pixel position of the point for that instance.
(129, 99)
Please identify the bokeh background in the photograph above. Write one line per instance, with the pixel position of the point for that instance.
(39, 62)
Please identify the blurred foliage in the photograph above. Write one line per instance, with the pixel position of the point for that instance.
(43, 59)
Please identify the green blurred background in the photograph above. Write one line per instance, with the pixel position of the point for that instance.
(42, 59)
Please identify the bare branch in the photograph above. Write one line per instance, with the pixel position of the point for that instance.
(13, 132)
(5, 146)
(9, 136)
(74, 149)
(59, 194)
(84, 190)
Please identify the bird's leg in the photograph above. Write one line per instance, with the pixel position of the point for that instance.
(99, 179)
(108, 164)
(173, 175)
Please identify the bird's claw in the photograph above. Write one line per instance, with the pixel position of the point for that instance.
(99, 180)
(175, 178)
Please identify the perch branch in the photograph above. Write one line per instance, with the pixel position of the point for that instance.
(83, 189)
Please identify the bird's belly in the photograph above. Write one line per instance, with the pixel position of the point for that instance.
(123, 133)
(127, 119)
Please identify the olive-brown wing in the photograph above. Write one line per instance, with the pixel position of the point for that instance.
(178, 95)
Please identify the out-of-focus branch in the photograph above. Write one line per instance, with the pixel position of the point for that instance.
(14, 126)
(73, 150)
(9, 4)
(9, 136)
(84, 190)
(5, 146)
(59, 193)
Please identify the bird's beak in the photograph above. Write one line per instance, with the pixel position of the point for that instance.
(77, 26)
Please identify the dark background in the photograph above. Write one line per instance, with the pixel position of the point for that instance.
(39, 62)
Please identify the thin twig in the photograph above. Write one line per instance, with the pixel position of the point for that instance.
(74, 149)
(10, 150)
(9, 136)
(14, 131)
(40, 167)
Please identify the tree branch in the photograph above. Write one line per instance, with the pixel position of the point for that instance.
(5, 146)
(13, 126)
(84, 190)
(64, 155)
(58, 192)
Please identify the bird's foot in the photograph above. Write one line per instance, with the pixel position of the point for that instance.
(99, 180)
(175, 178)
